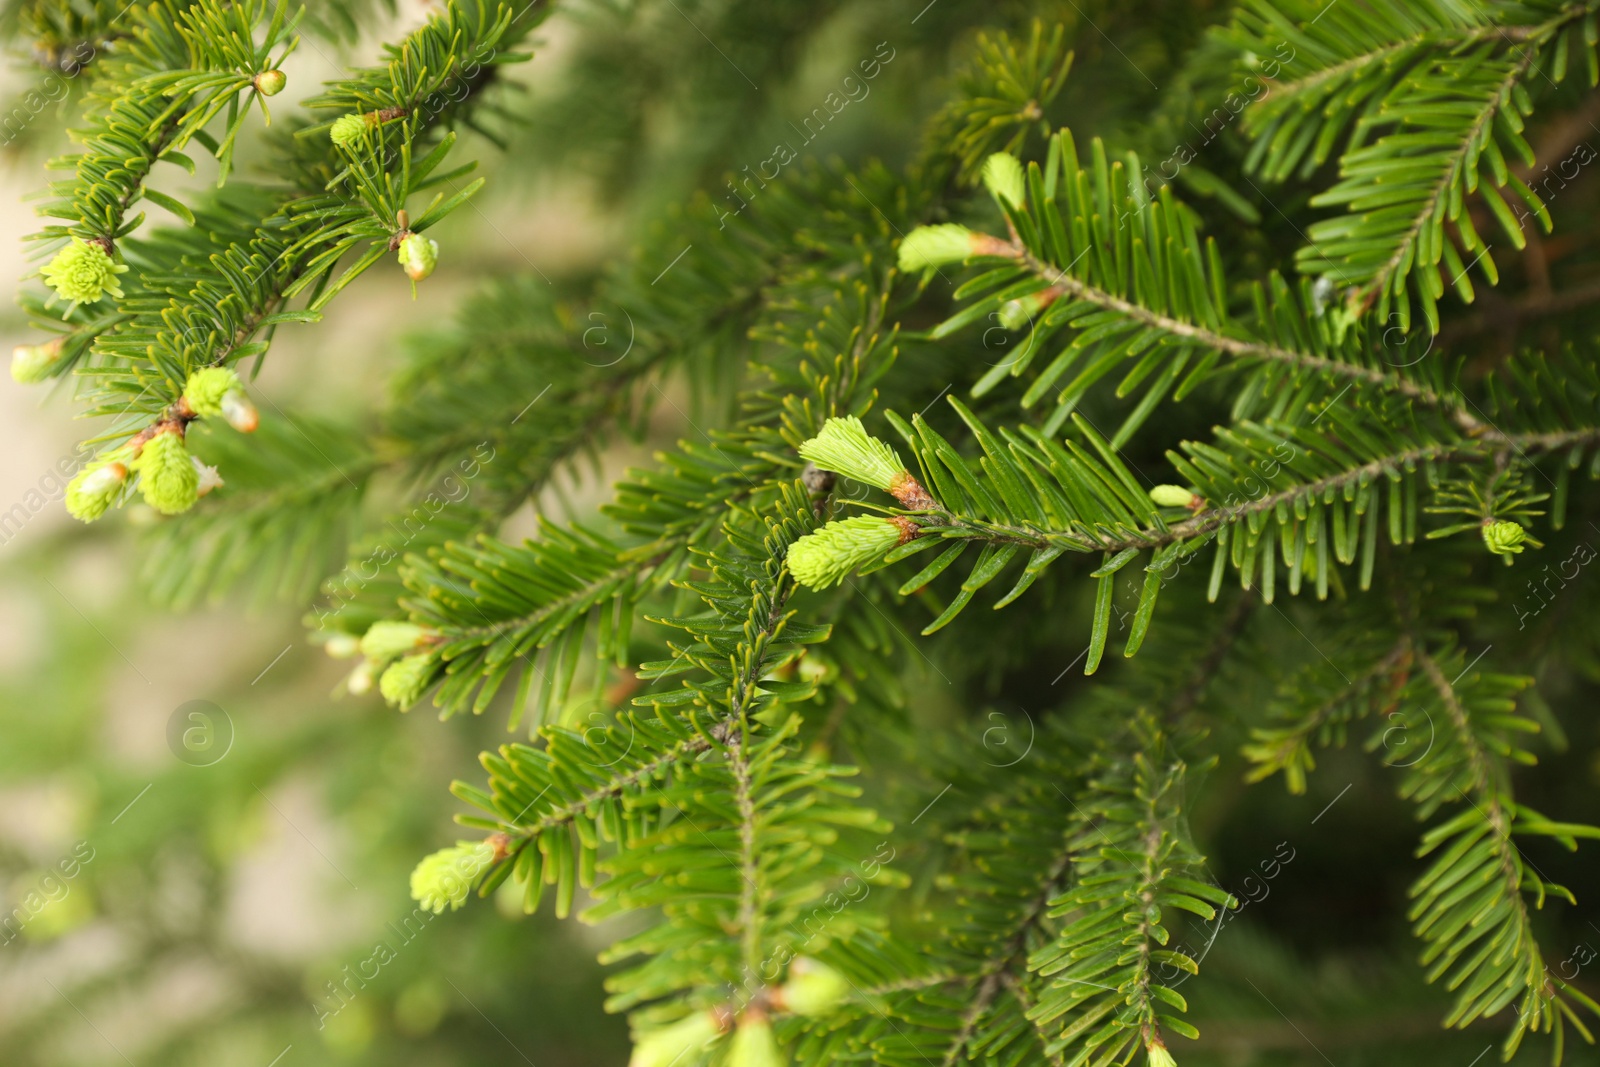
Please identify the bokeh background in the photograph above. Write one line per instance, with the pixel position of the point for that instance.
(221, 879)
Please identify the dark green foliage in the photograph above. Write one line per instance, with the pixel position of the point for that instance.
(1429, 101)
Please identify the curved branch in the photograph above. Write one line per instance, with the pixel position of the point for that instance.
(1213, 519)
(1240, 348)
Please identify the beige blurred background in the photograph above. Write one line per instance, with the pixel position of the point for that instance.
(285, 904)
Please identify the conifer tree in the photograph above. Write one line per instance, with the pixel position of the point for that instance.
(1118, 453)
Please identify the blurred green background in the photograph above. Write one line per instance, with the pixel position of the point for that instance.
(214, 897)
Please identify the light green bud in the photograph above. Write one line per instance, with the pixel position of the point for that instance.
(815, 667)
(95, 488)
(206, 387)
(387, 639)
(446, 878)
(1015, 314)
(1159, 1056)
(823, 559)
(270, 82)
(405, 680)
(83, 273)
(213, 391)
(33, 363)
(813, 988)
(1172, 496)
(1506, 538)
(418, 255)
(935, 246)
(669, 1045)
(348, 129)
(844, 447)
(168, 480)
(753, 1043)
(1002, 175)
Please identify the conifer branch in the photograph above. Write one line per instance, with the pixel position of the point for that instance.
(1081, 536)
(141, 109)
(749, 869)
(1239, 348)
(217, 311)
(1019, 989)
(1090, 251)
(699, 804)
(1131, 863)
(1011, 957)
(1405, 249)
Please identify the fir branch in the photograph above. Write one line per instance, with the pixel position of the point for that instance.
(1469, 908)
(750, 891)
(1002, 93)
(1000, 970)
(1130, 862)
(1034, 495)
(1247, 349)
(1287, 748)
(1445, 86)
(1090, 251)
(217, 316)
(184, 63)
(495, 606)
(1336, 63)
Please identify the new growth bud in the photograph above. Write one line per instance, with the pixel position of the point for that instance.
(418, 255)
(936, 246)
(844, 447)
(1015, 314)
(347, 129)
(206, 387)
(97, 486)
(343, 646)
(1506, 538)
(359, 681)
(405, 680)
(1002, 176)
(813, 988)
(239, 412)
(1172, 496)
(445, 878)
(1159, 1056)
(753, 1043)
(214, 391)
(388, 639)
(83, 273)
(270, 82)
(33, 363)
(822, 559)
(167, 478)
(670, 1044)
